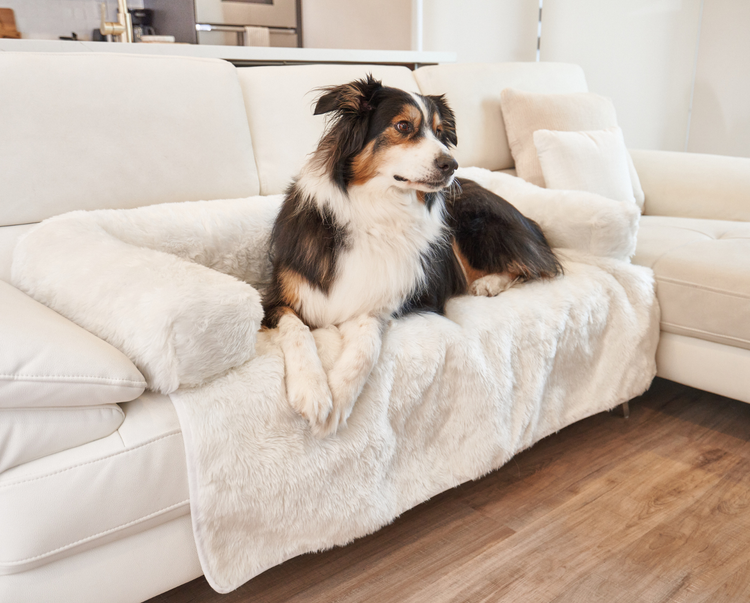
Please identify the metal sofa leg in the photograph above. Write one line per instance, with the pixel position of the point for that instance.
(624, 410)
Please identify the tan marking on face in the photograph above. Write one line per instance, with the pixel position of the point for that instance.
(366, 163)
(421, 196)
(436, 122)
(411, 114)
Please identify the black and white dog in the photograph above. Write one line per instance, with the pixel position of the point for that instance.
(376, 226)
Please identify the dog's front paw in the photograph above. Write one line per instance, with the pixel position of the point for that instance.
(492, 284)
(344, 394)
(309, 395)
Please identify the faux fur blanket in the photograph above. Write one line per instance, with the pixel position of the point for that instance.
(450, 398)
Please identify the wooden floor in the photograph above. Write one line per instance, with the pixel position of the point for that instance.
(649, 509)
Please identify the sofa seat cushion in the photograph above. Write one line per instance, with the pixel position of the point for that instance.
(702, 270)
(27, 434)
(80, 498)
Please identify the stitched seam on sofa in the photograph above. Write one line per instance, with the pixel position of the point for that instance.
(708, 236)
(674, 281)
(702, 332)
(104, 458)
(691, 230)
(99, 407)
(668, 251)
(92, 537)
(69, 378)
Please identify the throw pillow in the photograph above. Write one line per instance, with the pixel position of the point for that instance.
(594, 161)
(526, 112)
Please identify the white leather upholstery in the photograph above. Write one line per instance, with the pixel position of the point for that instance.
(83, 497)
(27, 434)
(86, 131)
(692, 185)
(47, 361)
(473, 91)
(712, 367)
(280, 103)
(127, 570)
(702, 270)
(8, 237)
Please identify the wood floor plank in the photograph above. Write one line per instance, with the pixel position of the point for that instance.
(653, 508)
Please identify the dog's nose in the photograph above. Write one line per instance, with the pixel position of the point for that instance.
(446, 163)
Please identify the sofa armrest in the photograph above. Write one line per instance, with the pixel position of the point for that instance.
(135, 279)
(693, 185)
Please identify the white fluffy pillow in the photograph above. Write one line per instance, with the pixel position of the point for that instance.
(526, 112)
(595, 161)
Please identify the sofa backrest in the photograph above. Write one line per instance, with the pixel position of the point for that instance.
(280, 103)
(473, 92)
(90, 131)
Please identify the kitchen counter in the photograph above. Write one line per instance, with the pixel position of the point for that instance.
(239, 55)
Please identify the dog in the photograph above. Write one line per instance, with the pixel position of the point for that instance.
(375, 226)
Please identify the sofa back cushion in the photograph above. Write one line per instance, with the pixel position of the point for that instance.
(280, 103)
(473, 91)
(91, 131)
(694, 185)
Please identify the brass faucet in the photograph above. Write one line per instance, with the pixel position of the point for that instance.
(123, 27)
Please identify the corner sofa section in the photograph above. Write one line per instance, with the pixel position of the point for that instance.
(695, 236)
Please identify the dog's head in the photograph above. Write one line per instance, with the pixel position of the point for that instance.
(402, 139)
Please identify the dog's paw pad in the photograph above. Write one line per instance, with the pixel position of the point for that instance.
(492, 284)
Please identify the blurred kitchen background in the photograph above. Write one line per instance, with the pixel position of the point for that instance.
(240, 22)
(676, 69)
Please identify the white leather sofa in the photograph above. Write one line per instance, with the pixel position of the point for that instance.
(99, 510)
(695, 235)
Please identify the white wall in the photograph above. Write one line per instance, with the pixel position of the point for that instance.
(482, 30)
(357, 24)
(640, 53)
(720, 121)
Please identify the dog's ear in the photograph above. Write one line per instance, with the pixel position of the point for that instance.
(448, 120)
(355, 97)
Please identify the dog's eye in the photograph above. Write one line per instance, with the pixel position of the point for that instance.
(404, 127)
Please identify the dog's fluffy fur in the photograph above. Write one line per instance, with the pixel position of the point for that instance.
(375, 226)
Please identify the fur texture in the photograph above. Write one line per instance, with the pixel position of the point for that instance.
(140, 280)
(449, 399)
(364, 234)
(577, 220)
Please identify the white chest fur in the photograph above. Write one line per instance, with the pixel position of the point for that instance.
(389, 233)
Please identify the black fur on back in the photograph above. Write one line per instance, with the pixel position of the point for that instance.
(306, 241)
(494, 236)
(444, 277)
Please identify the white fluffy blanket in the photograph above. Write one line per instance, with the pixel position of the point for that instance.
(450, 398)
